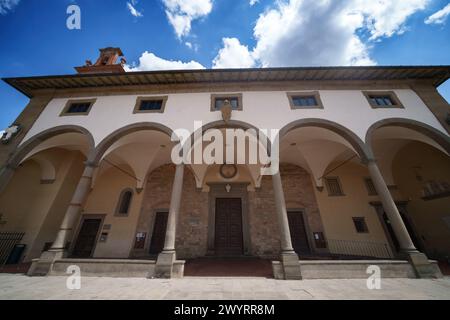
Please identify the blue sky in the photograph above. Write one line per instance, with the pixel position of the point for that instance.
(162, 34)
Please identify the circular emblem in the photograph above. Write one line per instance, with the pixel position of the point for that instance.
(228, 171)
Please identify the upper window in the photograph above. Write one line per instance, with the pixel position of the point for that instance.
(334, 186)
(305, 100)
(370, 187)
(218, 100)
(124, 202)
(383, 99)
(150, 104)
(360, 224)
(77, 107)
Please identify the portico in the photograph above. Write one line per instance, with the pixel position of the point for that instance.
(109, 197)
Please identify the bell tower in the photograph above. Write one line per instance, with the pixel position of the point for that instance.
(106, 62)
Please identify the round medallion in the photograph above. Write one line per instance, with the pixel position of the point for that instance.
(228, 171)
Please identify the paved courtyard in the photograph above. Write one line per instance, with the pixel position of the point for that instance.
(23, 287)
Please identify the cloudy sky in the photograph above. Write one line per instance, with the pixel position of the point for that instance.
(180, 34)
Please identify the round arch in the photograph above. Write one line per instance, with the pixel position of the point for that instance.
(220, 124)
(107, 142)
(363, 152)
(37, 139)
(427, 130)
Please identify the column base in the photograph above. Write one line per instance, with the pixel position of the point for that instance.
(43, 265)
(423, 267)
(168, 267)
(288, 268)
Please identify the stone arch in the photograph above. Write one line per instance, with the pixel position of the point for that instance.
(222, 124)
(35, 140)
(361, 149)
(439, 137)
(107, 142)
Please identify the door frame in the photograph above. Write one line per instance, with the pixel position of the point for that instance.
(83, 217)
(309, 235)
(378, 206)
(152, 228)
(218, 190)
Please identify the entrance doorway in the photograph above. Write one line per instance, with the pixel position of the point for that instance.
(228, 227)
(392, 238)
(299, 237)
(159, 233)
(87, 238)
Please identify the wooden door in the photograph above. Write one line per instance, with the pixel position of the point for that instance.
(228, 228)
(299, 236)
(159, 232)
(87, 237)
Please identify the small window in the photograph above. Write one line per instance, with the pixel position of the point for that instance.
(77, 107)
(217, 101)
(150, 104)
(304, 100)
(124, 202)
(370, 187)
(360, 224)
(383, 100)
(334, 186)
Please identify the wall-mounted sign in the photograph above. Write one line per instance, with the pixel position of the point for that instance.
(139, 242)
(103, 237)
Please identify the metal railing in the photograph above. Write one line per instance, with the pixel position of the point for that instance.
(7, 242)
(359, 248)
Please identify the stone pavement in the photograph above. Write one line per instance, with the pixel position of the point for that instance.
(23, 287)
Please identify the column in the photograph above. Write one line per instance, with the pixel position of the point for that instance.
(390, 208)
(58, 249)
(289, 259)
(422, 266)
(166, 259)
(74, 209)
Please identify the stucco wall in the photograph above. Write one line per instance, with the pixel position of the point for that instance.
(337, 211)
(103, 200)
(347, 107)
(415, 164)
(37, 209)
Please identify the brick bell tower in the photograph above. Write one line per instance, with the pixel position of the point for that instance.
(106, 62)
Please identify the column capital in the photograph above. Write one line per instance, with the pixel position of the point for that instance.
(91, 164)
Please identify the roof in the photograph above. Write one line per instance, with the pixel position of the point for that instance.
(27, 85)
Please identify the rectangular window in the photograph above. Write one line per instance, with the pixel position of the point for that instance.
(304, 100)
(217, 101)
(370, 187)
(360, 224)
(77, 107)
(383, 99)
(334, 186)
(150, 104)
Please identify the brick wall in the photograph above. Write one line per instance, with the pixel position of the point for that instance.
(192, 229)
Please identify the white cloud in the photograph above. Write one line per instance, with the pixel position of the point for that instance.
(131, 6)
(324, 32)
(7, 5)
(439, 17)
(253, 2)
(233, 55)
(181, 13)
(149, 61)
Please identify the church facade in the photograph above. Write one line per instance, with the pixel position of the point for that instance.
(349, 167)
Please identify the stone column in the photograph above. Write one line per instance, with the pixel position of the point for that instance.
(58, 249)
(423, 267)
(289, 259)
(166, 259)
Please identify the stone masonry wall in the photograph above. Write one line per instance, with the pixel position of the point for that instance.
(299, 194)
(192, 228)
(191, 236)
